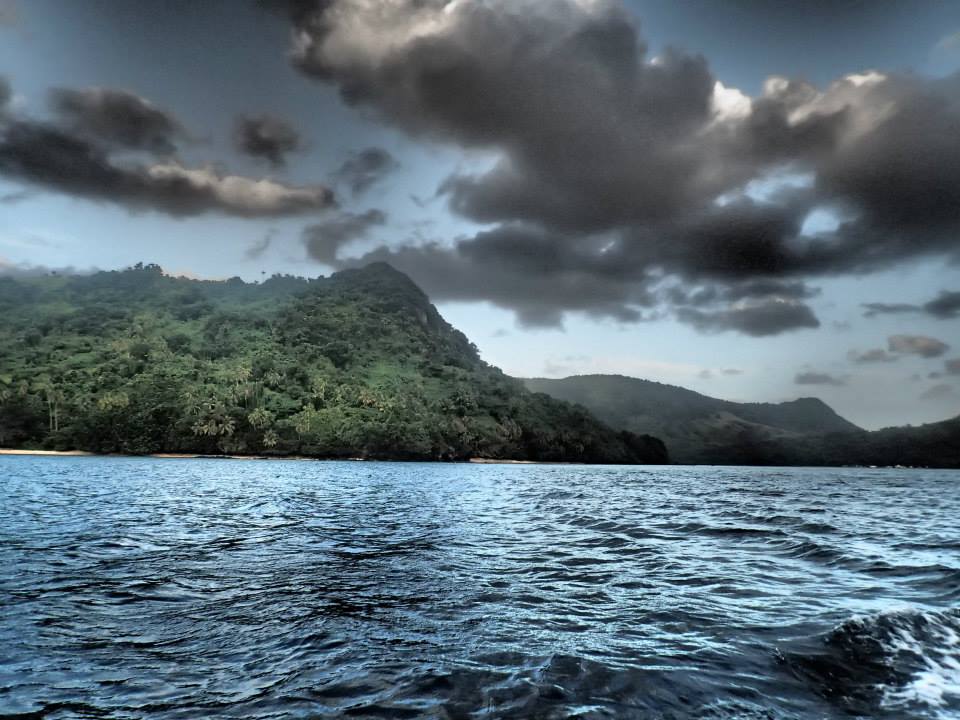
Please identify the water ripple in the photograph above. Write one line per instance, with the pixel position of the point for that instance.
(184, 589)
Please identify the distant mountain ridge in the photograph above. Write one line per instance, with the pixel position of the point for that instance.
(701, 429)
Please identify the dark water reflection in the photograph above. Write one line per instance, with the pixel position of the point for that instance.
(203, 588)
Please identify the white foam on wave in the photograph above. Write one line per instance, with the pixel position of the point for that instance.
(938, 649)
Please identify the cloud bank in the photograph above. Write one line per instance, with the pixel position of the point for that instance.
(619, 169)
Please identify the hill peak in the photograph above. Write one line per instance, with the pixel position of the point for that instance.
(379, 271)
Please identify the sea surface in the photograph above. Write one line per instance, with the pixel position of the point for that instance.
(170, 588)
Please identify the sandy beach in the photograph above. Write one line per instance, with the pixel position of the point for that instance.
(62, 453)
(195, 456)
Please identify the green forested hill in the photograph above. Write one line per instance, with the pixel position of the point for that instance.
(357, 364)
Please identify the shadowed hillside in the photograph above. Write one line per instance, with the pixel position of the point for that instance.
(701, 429)
(358, 364)
(696, 428)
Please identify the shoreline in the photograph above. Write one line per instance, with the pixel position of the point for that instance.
(54, 453)
(163, 456)
(470, 461)
(201, 456)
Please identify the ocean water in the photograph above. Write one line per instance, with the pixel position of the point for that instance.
(157, 588)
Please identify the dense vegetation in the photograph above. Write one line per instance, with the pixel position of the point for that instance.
(702, 429)
(358, 364)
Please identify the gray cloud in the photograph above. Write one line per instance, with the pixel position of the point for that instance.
(921, 345)
(877, 355)
(818, 378)
(876, 308)
(938, 392)
(365, 168)
(764, 288)
(323, 240)
(953, 366)
(5, 93)
(118, 118)
(57, 159)
(759, 320)
(732, 371)
(767, 287)
(945, 306)
(266, 137)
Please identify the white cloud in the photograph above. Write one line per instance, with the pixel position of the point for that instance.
(729, 103)
(242, 194)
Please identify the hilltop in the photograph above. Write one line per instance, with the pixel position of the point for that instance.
(359, 364)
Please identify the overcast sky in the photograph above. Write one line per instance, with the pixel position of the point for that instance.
(756, 200)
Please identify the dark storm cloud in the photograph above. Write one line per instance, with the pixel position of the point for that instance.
(266, 137)
(593, 139)
(921, 345)
(365, 168)
(946, 306)
(56, 159)
(534, 281)
(592, 135)
(539, 274)
(118, 118)
(818, 378)
(759, 320)
(323, 240)
(877, 355)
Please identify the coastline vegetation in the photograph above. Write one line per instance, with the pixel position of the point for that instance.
(359, 364)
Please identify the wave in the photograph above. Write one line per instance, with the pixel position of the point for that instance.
(901, 660)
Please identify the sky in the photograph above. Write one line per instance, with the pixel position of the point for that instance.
(758, 201)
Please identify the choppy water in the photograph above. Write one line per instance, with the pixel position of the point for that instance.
(201, 588)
